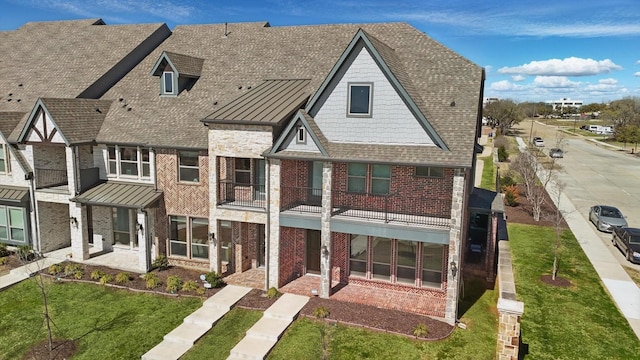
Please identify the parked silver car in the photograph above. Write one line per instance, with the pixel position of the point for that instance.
(606, 217)
(556, 153)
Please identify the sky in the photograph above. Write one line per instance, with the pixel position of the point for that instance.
(531, 50)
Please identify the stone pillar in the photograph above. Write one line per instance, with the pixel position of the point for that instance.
(214, 261)
(509, 312)
(455, 241)
(325, 237)
(79, 231)
(273, 225)
(144, 257)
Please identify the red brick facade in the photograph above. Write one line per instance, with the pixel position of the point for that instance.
(180, 198)
(292, 252)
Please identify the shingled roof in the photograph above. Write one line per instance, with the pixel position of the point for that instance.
(243, 56)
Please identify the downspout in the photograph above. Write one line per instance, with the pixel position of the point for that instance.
(76, 171)
(34, 209)
(267, 246)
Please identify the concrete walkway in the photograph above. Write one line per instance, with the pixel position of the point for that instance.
(26, 271)
(623, 290)
(264, 334)
(182, 338)
(486, 152)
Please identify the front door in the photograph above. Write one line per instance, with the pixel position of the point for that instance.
(313, 251)
(261, 245)
(225, 241)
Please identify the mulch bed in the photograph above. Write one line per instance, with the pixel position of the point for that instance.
(62, 349)
(559, 281)
(523, 213)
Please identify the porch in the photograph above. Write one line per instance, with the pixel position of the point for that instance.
(253, 278)
(121, 259)
(419, 301)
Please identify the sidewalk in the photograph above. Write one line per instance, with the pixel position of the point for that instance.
(24, 272)
(624, 292)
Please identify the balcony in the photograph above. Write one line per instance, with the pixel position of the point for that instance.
(48, 178)
(241, 195)
(390, 209)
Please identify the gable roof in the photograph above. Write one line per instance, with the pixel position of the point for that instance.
(184, 65)
(271, 102)
(312, 130)
(78, 120)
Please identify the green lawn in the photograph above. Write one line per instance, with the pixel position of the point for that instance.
(108, 323)
(579, 322)
(488, 180)
(227, 332)
(303, 340)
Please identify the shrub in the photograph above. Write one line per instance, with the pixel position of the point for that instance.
(55, 269)
(511, 195)
(190, 286)
(420, 330)
(152, 280)
(214, 279)
(506, 181)
(25, 253)
(321, 312)
(3, 260)
(96, 275)
(161, 263)
(201, 291)
(503, 155)
(174, 283)
(273, 293)
(122, 278)
(4, 251)
(105, 279)
(73, 268)
(78, 274)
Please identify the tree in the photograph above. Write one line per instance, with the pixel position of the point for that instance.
(504, 114)
(623, 112)
(628, 134)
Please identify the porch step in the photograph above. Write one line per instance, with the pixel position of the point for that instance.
(166, 350)
(187, 333)
(268, 328)
(252, 348)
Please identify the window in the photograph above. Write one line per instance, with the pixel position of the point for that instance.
(189, 237)
(380, 179)
(189, 166)
(358, 255)
(357, 178)
(301, 137)
(429, 171)
(12, 224)
(121, 227)
(128, 161)
(243, 171)
(395, 260)
(380, 176)
(360, 99)
(225, 242)
(4, 159)
(167, 83)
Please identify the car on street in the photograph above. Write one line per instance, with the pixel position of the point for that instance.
(628, 241)
(556, 153)
(537, 141)
(605, 217)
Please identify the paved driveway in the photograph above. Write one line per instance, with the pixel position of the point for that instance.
(594, 174)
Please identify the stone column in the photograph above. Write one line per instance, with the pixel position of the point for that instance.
(79, 231)
(214, 261)
(509, 312)
(273, 226)
(457, 216)
(144, 263)
(325, 226)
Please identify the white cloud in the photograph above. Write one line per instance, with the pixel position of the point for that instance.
(505, 85)
(609, 81)
(572, 66)
(554, 82)
(637, 74)
(517, 78)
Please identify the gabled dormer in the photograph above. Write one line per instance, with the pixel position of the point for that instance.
(177, 72)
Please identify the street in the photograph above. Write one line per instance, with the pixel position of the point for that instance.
(594, 174)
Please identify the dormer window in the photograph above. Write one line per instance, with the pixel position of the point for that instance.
(359, 102)
(167, 83)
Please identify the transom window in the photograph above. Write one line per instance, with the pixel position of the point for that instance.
(189, 166)
(398, 261)
(12, 225)
(128, 161)
(4, 159)
(374, 178)
(359, 103)
(429, 171)
(188, 237)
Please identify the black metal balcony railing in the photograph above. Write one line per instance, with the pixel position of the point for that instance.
(419, 210)
(46, 178)
(242, 195)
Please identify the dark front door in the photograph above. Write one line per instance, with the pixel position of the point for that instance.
(261, 245)
(225, 241)
(313, 251)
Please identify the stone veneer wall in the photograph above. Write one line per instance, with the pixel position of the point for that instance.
(509, 309)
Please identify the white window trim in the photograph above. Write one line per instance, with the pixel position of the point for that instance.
(301, 135)
(369, 113)
(7, 159)
(189, 220)
(163, 84)
(119, 161)
(197, 167)
(9, 226)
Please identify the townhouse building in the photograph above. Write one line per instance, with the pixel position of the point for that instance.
(343, 153)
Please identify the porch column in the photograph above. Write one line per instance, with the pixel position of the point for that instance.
(79, 231)
(453, 267)
(325, 237)
(272, 228)
(144, 257)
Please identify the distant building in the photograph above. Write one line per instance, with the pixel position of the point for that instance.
(565, 102)
(489, 100)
